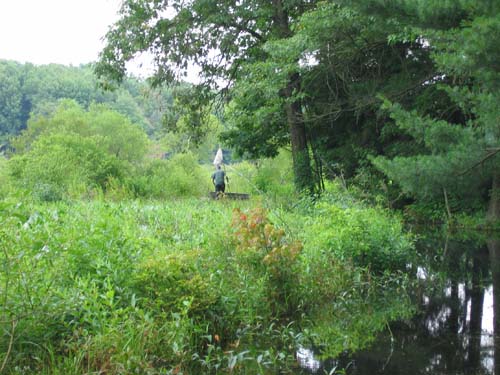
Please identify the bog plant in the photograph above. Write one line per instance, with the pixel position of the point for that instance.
(5, 182)
(274, 176)
(260, 245)
(172, 283)
(366, 236)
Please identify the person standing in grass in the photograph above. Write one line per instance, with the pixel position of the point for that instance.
(218, 179)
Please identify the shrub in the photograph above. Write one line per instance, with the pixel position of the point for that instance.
(260, 245)
(59, 164)
(73, 151)
(178, 177)
(172, 283)
(241, 177)
(123, 287)
(353, 270)
(368, 236)
(275, 176)
(117, 135)
(4, 178)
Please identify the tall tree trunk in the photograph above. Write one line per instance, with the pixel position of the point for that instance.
(300, 153)
(494, 206)
(303, 177)
(454, 306)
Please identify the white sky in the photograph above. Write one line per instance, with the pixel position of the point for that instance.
(65, 32)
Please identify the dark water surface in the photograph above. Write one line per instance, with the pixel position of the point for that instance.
(456, 328)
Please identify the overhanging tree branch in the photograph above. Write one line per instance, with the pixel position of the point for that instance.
(492, 152)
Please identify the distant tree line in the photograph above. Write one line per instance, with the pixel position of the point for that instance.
(27, 89)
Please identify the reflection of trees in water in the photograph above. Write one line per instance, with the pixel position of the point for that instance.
(456, 315)
(447, 331)
(447, 335)
(494, 250)
(479, 276)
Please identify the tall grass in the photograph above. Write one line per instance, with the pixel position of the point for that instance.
(188, 285)
(5, 182)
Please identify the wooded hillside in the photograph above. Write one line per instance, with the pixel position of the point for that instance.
(28, 89)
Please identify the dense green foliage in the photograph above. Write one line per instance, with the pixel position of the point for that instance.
(113, 258)
(345, 61)
(187, 286)
(237, 32)
(168, 284)
(75, 150)
(458, 155)
(74, 153)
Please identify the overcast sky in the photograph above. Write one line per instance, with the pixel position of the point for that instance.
(65, 32)
(68, 32)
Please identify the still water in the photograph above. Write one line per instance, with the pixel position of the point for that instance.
(455, 330)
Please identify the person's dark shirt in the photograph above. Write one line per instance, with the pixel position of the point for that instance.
(218, 177)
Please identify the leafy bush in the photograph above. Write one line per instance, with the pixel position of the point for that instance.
(261, 246)
(173, 284)
(117, 135)
(73, 151)
(5, 180)
(58, 164)
(368, 236)
(275, 176)
(353, 269)
(180, 176)
(241, 177)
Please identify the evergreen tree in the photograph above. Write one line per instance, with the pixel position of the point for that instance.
(345, 61)
(460, 157)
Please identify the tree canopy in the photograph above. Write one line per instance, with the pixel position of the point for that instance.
(407, 87)
(304, 73)
(76, 149)
(459, 155)
(219, 37)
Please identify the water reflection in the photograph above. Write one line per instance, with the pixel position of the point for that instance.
(457, 327)
(307, 360)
